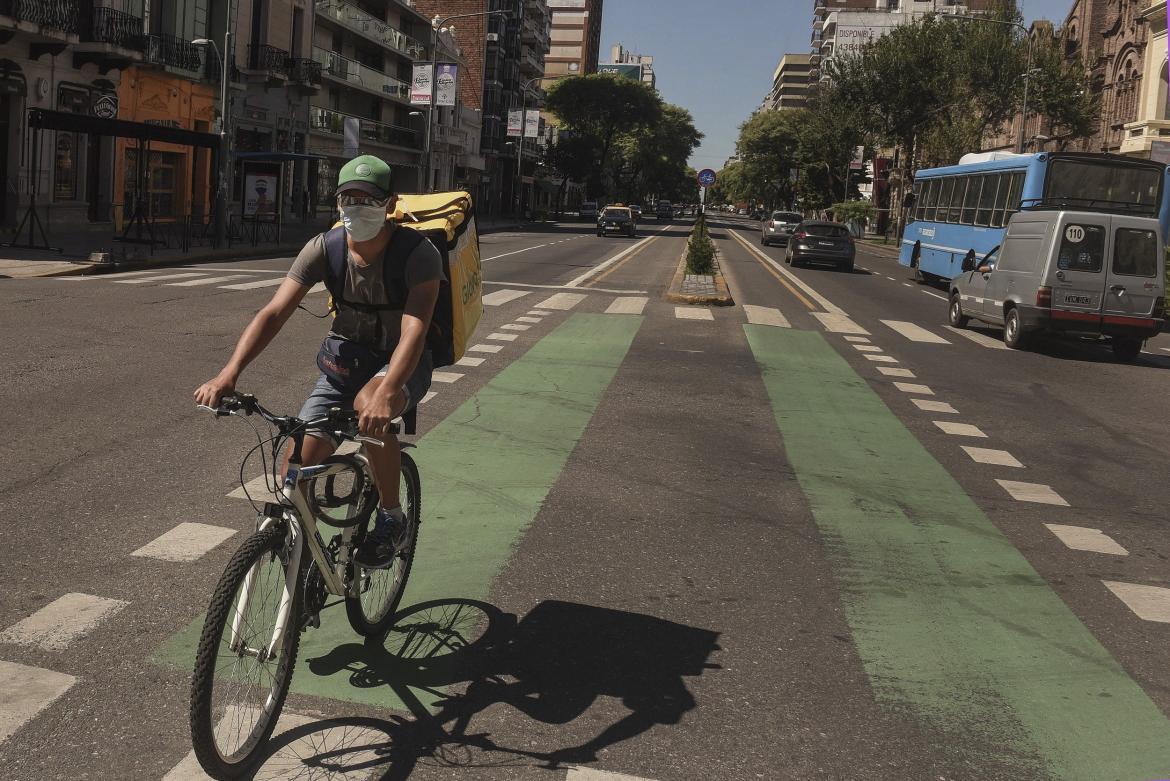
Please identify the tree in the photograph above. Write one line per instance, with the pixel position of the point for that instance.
(653, 160)
(600, 107)
(571, 157)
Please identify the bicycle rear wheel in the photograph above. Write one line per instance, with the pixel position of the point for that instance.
(380, 590)
(238, 688)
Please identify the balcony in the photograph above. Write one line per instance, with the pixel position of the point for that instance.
(1139, 136)
(323, 120)
(171, 52)
(451, 136)
(305, 73)
(353, 18)
(355, 74)
(57, 20)
(530, 63)
(830, 26)
(109, 39)
(268, 62)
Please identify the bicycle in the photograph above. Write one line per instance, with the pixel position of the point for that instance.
(277, 583)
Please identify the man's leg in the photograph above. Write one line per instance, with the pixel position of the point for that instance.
(385, 461)
(316, 448)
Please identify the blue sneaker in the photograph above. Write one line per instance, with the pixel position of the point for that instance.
(382, 542)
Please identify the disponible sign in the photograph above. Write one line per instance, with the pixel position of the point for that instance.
(515, 122)
(421, 85)
(445, 83)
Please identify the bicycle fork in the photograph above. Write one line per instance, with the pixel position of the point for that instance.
(284, 611)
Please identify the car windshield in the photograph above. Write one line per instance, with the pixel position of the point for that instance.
(785, 217)
(827, 231)
(613, 213)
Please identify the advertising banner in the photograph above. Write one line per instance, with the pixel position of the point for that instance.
(260, 196)
(420, 87)
(515, 122)
(445, 82)
(633, 71)
(858, 161)
(532, 124)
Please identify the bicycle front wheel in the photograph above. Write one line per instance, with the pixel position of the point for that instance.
(380, 590)
(245, 662)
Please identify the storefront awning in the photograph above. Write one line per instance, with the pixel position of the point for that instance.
(277, 157)
(47, 119)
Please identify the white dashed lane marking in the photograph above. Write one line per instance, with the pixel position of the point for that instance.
(627, 305)
(1032, 492)
(1083, 538)
(839, 323)
(959, 429)
(981, 339)
(894, 371)
(765, 315)
(913, 387)
(502, 337)
(561, 301)
(690, 313)
(914, 333)
(935, 295)
(499, 297)
(468, 360)
(62, 621)
(447, 377)
(986, 455)
(185, 542)
(929, 405)
(26, 692)
(485, 348)
(1149, 603)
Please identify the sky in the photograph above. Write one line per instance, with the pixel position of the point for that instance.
(715, 58)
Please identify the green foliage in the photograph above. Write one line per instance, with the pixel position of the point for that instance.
(653, 160)
(700, 250)
(850, 211)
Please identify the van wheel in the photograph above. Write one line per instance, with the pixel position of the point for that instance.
(1126, 348)
(1013, 330)
(955, 314)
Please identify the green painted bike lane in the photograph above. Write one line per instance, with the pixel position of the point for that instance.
(486, 469)
(949, 619)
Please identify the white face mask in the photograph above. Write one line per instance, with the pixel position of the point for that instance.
(362, 223)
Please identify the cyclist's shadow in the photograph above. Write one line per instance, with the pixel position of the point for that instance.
(552, 666)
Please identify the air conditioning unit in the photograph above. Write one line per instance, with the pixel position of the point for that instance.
(493, 37)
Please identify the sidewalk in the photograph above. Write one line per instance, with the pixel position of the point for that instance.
(73, 259)
(876, 245)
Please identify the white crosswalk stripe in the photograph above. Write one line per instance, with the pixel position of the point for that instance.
(765, 315)
(894, 371)
(205, 281)
(468, 360)
(930, 405)
(691, 313)
(447, 377)
(26, 692)
(253, 285)
(429, 395)
(529, 319)
(839, 323)
(514, 327)
(589, 774)
(1082, 538)
(913, 387)
(185, 542)
(1149, 603)
(499, 297)
(881, 358)
(981, 339)
(499, 337)
(959, 429)
(1032, 492)
(986, 455)
(867, 348)
(62, 621)
(257, 488)
(561, 301)
(160, 278)
(627, 305)
(485, 348)
(913, 332)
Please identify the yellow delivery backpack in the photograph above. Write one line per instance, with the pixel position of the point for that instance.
(448, 220)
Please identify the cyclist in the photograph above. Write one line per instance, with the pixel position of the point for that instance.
(367, 326)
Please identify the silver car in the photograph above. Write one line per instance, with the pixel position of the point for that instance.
(778, 228)
(1078, 273)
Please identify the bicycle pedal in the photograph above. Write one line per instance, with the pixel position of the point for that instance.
(312, 622)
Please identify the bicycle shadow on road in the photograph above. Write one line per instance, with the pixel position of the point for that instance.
(553, 666)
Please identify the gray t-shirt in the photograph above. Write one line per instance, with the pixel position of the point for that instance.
(364, 284)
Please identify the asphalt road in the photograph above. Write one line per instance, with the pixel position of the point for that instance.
(666, 542)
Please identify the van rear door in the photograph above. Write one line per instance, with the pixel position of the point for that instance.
(1134, 277)
(1078, 275)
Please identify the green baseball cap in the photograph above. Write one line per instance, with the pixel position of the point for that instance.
(367, 173)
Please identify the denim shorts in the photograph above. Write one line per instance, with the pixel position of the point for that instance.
(326, 394)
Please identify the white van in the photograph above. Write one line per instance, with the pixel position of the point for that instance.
(1069, 272)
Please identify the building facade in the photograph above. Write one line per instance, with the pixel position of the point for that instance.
(575, 44)
(1148, 135)
(621, 56)
(790, 83)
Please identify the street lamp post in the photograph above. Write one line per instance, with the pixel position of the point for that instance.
(524, 127)
(224, 114)
(1027, 69)
(436, 24)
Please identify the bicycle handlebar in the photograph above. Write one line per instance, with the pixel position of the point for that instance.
(342, 422)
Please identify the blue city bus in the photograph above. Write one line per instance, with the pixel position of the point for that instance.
(959, 209)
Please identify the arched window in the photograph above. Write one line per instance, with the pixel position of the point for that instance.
(1163, 111)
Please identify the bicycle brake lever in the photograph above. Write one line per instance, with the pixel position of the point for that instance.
(369, 441)
(219, 413)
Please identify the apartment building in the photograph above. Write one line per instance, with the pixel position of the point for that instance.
(620, 56)
(575, 44)
(789, 83)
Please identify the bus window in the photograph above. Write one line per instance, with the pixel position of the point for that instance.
(956, 200)
(930, 199)
(972, 198)
(987, 198)
(916, 191)
(1011, 204)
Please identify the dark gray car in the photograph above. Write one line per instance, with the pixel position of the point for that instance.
(822, 242)
(778, 228)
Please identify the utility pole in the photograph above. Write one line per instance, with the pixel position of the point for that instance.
(221, 215)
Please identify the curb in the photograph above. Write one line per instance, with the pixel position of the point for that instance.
(674, 292)
(881, 249)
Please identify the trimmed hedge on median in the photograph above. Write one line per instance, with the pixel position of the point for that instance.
(700, 250)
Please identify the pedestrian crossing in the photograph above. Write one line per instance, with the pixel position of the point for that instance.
(237, 279)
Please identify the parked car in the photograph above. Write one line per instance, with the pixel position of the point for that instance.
(587, 210)
(823, 242)
(637, 210)
(616, 219)
(779, 227)
(1085, 274)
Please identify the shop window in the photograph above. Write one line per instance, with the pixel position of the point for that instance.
(67, 149)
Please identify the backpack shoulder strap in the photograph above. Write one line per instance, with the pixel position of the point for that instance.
(404, 241)
(336, 255)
